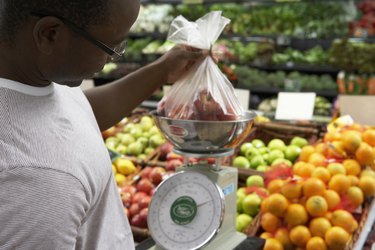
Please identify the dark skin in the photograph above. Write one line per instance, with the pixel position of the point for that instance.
(45, 50)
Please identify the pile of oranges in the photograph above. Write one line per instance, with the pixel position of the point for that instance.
(314, 208)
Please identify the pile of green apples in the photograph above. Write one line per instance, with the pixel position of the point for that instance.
(249, 199)
(137, 139)
(259, 156)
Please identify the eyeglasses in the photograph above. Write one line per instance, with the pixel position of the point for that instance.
(115, 53)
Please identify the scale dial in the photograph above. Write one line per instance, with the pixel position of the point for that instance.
(186, 211)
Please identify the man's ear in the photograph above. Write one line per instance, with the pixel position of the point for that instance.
(47, 32)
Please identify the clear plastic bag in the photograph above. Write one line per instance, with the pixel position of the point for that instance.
(204, 93)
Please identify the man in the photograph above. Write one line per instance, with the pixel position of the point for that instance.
(57, 190)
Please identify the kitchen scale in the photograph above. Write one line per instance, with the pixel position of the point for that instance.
(196, 207)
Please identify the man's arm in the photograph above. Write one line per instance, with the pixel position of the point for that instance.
(113, 101)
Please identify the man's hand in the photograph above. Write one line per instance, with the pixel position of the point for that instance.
(179, 60)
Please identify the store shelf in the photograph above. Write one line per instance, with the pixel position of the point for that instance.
(270, 90)
(313, 69)
(236, 1)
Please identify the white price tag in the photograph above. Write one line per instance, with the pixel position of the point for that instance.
(243, 96)
(295, 106)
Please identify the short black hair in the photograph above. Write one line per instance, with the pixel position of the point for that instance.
(14, 13)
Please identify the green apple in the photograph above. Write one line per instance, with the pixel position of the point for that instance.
(122, 149)
(111, 143)
(141, 156)
(241, 191)
(241, 162)
(156, 140)
(256, 161)
(128, 127)
(255, 181)
(243, 221)
(143, 140)
(154, 130)
(266, 158)
(136, 132)
(299, 141)
(281, 160)
(292, 152)
(251, 152)
(135, 148)
(126, 139)
(146, 134)
(258, 143)
(146, 123)
(149, 150)
(263, 150)
(275, 154)
(240, 197)
(244, 147)
(262, 168)
(276, 144)
(251, 204)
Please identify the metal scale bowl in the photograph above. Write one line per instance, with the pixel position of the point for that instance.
(196, 207)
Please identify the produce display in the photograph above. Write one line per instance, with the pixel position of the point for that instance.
(322, 106)
(248, 78)
(131, 138)
(316, 203)
(257, 155)
(365, 25)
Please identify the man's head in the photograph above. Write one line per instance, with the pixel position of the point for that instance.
(43, 33)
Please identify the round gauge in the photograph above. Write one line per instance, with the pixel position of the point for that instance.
(186, 211)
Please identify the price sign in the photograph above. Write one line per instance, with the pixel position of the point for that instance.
(295, 106)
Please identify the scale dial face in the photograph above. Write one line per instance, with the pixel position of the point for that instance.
(186, 211)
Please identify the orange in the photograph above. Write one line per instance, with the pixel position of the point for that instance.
(273, 244)
(342, 218)
(351, 140)
(321, 148)
(336, 238)
(336, 168)
(269, 222)
(316, 243)
(368, 172)
(364, 155)
(306, 152)
(304, 170)
(317, 159)
(336, 149)
(266, 235)
(367, 184)
(296, 215)
(352, 167)
(369, 137)
(292, 189)
(354, 180)
(313, 186)
(332, 198)
(355, 195)
(264, 205)
(275, 186)
(277, 204)
(316, 206)
(319, 226)
(300, 235)
(328, 216)
(332, 136)
(282, 235)
(322, 174)
(339, 183)
(356, 127)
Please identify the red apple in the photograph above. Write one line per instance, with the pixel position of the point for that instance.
(137, 221)
(145, 201)
(172, 165)
(164, 150)
(134, 209)
(146, 172)
(126, 199)
(152, 192)
(144, 185)
(129, 189)
(138, 197)
(156, 175)
(143, 213)
(173, 156)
